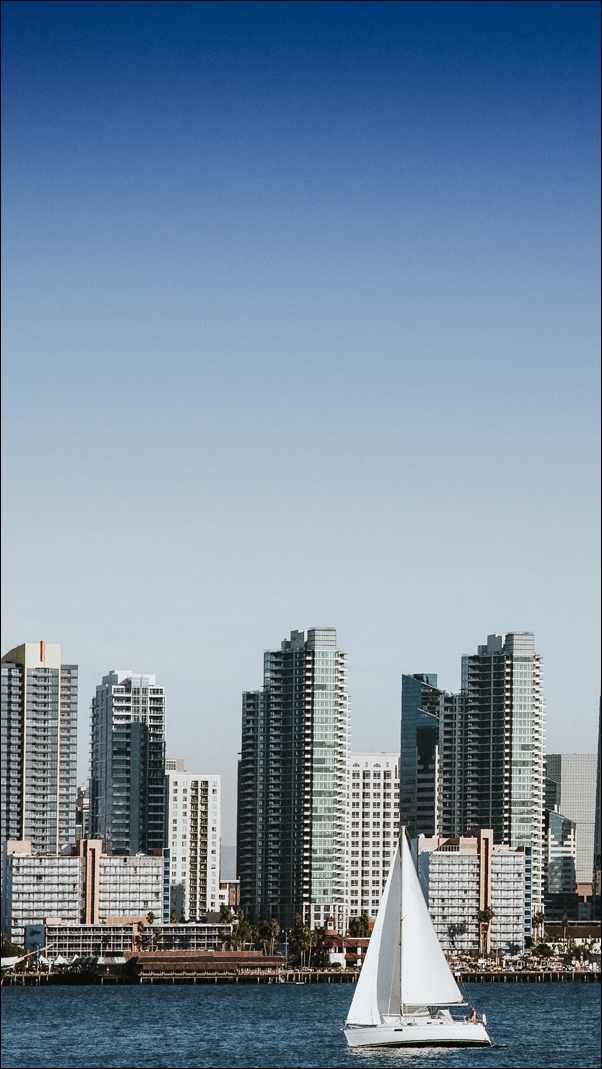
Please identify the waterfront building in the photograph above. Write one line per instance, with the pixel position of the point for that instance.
(292, 784)
(465, 878)
(127, 783)
(113, 940)
(571, 779)
(372, 828)
(88, 888)
(39, 746)
(421, 709)
(491, 758)
(194, 827)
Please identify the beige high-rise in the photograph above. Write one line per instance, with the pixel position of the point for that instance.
(39, 746)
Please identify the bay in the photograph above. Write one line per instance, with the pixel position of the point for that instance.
(548, 1026)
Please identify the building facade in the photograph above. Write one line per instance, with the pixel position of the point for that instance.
(292, 784)
(39, 746)
(597, 873)
(465, 879)
(88, 888)
(560, 854)
(574, 777)
(491, 755)
(194, 825)
(114, 940)
(127, 782)
(421, 709)
(372, 828)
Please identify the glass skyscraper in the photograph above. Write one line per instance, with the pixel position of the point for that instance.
(492, 749)
(127, 783)
(292, 784)
(574, 777)
(421, 708)
(39, 747)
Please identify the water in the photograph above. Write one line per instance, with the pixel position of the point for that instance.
(548, 1026)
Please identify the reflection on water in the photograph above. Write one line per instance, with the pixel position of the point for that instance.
(548, 1026)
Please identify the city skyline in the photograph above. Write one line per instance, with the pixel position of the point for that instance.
(228, 772)
(300, 328)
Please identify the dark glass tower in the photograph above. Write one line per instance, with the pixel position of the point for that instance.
(292, 784)
(127, 784)
(421, 707)
(491, 764)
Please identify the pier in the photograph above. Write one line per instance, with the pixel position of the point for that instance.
(124, 975)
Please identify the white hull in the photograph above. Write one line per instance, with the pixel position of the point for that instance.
(429, 1033)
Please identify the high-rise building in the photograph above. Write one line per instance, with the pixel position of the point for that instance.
(574, 778)
(194, 830)
(127, 783)
(597, 873)
(39, 746)
(560, 854)
(491, 762)
(292, 784)
(421, 708)
(372, 828)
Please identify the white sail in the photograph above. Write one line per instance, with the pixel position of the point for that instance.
(378, 989)
(426, 978)
(404, 956)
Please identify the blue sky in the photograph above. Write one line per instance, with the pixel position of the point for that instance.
(300, 329)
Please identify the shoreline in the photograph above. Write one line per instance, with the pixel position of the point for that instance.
(123, 978)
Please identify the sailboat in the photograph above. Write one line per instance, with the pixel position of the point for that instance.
(406, 986)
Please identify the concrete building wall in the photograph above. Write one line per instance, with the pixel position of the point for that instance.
(89, 888)
(465, 877)
(194, 837)
(372, 828)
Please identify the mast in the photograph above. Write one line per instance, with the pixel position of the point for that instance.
(402, 832)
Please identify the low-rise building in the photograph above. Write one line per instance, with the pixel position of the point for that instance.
(88, 888)
(478, 892)
(71, 941)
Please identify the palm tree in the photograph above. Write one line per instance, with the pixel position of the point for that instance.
(538, 920)
(303, 939)
(268, 933)
(484, 917)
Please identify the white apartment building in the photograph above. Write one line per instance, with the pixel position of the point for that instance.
(371, 828)
(194, 836)
(130, 887)
(38, 886)
(464, 877)
(91, 888)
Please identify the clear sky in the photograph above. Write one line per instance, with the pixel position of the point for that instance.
(300, 323)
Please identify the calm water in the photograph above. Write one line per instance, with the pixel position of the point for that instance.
(259, 1027)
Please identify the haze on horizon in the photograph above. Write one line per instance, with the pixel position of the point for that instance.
(300, 329)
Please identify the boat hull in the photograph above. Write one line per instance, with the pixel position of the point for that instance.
(433, 1033)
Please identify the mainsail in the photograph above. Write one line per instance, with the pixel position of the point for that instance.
(405, 964)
